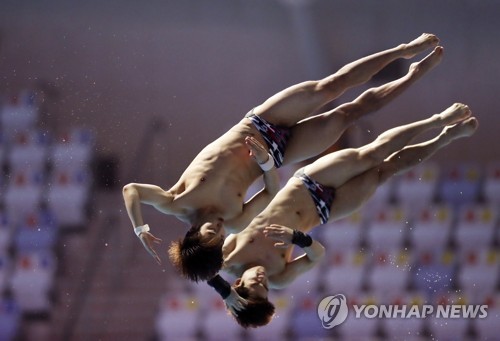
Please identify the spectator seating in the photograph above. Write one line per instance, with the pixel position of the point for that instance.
(29, 149)
(74, 149)
(389, 272)
(491, 183)
(361, 328)
(343, 234)
(449, 329)
(433, 272)
(431, 228)
(32, 281)
(35, 197)
(214, 325)
(486, 328)
(344, 272)
(24, 193)
(478, 274)
(388, 228)
(475, 228)
(460, 184)
(417, 188)
(404, 328)
(69, 195)
(304, 321)
(178, 318)
(19, 112)
(10, 319)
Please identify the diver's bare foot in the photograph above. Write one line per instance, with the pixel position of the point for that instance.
(422, 43)
(429, 62)
(463, 128)
(454, 114)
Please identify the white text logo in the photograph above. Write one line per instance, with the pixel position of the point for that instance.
(332, 310)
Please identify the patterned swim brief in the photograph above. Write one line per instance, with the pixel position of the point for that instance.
(276, 137)
(322, 196)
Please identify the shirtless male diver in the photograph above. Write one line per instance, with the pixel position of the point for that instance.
(326, 190)
(209, 195)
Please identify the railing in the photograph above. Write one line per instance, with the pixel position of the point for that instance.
(108, 229)
(105, 228)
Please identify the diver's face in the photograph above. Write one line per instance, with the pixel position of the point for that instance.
(255, 280)
(212, 229)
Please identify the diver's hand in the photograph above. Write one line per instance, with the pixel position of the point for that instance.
(281, 233)
(234, 302)
(257, 150)
(147, 240)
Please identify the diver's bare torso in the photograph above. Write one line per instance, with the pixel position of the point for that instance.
(250, 247)
(218, 177)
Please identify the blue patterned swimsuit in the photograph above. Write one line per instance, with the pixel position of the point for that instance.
(276, 137)
(322, 196)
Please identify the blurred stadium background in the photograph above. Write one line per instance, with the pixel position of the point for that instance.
(95, 95)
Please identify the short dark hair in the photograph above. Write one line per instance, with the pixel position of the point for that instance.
(258, 312)
(196, 258)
